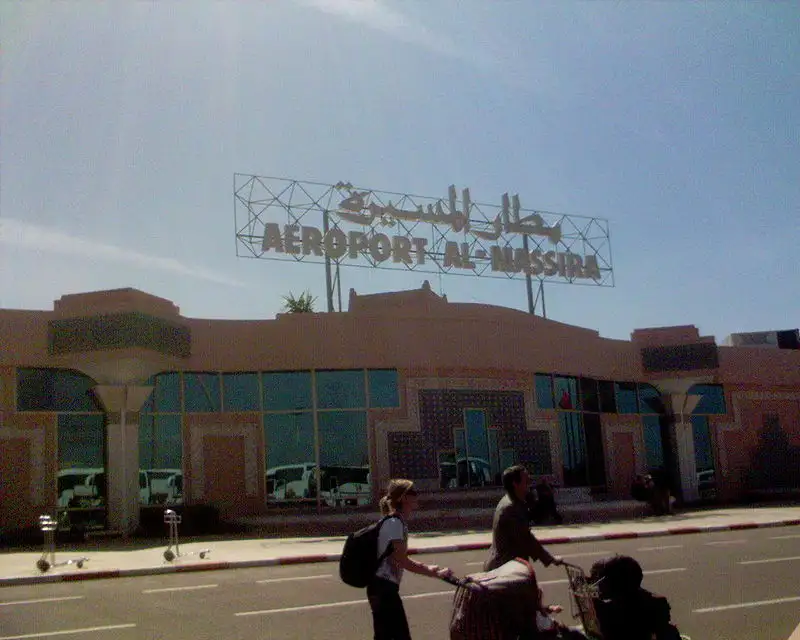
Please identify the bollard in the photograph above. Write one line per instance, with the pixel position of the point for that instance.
(48, 525)
(172, 520)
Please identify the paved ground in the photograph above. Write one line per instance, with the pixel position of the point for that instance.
(20, 568)
(723, 585)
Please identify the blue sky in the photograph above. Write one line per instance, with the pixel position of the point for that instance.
(123, 124)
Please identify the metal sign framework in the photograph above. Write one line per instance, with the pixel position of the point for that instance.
(451, 236)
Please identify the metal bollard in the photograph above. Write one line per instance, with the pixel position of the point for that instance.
(173, 520)
(48, 525)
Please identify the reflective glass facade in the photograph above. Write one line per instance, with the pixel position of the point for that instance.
(81, 490)
(314, 423)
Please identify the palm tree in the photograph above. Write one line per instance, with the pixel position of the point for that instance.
(303, 304)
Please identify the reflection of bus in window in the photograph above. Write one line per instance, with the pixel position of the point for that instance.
(161, 486)
(470, 472)
(290, 482)
(345, 486)
(81, 487)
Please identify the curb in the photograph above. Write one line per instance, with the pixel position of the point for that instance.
(333, 557)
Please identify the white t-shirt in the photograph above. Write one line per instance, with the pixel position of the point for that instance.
(393, 529)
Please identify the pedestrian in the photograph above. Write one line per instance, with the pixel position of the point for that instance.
(545, 508)
(511, 534)
(383, 592)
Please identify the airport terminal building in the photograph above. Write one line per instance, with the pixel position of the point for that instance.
(113, 402)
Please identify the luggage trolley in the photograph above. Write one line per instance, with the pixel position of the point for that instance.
(48, 525)
(583, 594)
(173, 520)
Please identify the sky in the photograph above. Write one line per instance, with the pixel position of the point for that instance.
(122, 126)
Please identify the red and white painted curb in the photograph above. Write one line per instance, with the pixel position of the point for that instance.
(333, 557)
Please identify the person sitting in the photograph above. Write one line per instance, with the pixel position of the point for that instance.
(625, 610)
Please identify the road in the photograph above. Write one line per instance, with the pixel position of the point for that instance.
(738, 585)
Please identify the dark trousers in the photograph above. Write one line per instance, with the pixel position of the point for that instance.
(388, 615)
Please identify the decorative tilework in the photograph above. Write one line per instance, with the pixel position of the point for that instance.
(442, 410)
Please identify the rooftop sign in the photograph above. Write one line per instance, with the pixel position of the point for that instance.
(283, 219)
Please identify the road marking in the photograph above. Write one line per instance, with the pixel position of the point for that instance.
(192, 588)
(744, 605)
(47, 634)
(331, 605)
(727, 542)
(767, 560)
(655, 571)
(321, 577)
(795, 537)
(8, 604)
(666, 546)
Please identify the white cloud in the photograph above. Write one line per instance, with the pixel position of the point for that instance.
(23, 235)
(380, 16)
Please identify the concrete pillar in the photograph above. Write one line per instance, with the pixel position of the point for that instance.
(122, 404)
(681, 406)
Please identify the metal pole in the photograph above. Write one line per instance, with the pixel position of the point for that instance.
(328, 283)
(528, 284)
(541, 293)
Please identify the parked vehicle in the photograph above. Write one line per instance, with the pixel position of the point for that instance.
(345, 486)
(81, 487)
(291, 482)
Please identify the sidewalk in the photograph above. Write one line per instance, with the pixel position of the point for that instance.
(20, 568)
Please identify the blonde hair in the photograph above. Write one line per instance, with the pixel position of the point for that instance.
(395, 491)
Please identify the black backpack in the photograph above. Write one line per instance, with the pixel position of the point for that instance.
(359, 560)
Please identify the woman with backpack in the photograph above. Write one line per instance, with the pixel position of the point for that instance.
(383, 591)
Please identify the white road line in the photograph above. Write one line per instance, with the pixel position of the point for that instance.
(795, 537)
(47, 634)
(192, 588)
(8, 604)
(666, 546)
(586, 555)
(297, 578)
(655, 571)
(767, 560)
(472, 564)
(744, 605)
(721, 542)
(331, 605)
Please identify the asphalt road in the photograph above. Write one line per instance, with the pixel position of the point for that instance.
(739, 585)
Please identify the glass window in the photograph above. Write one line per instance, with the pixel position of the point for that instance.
(201, 392)
(55, 390)
(703, 452)
(344, 459)
(565, 391)
(81, 478)
(544, 391)
(596, 463)
(290, 459)
(589, 396)
(383, 389)
(477, 442)
(447, 470)
(626, 397)
(712, 400)
(160, 460)
(167, 394)
(287, 390)
(573, 450)
(240, 392)
(340, 389)
(649, 399)
(654, 450)
(608, 398)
